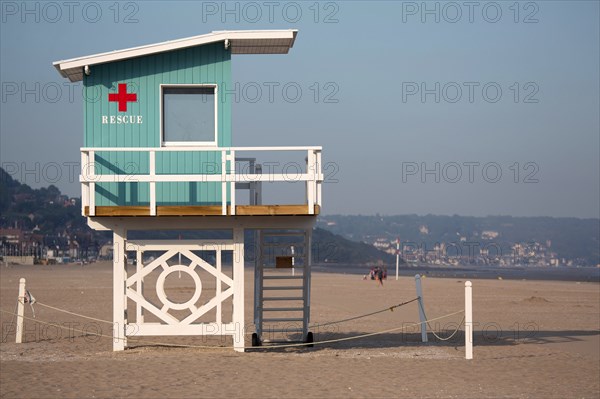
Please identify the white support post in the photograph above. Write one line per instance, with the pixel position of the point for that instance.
(152, 171)
(238, 289)
(258, 186)
(139, 265)
(307, 275)
(422, 318)
(223, 182)
(92, 199)
(310, 183)
(232, 178)
(293, 261)
(468, 320)
(252, 184)
(85, 187)
(218, 287)
(319, 168)
(20, 312)
(119, 295)
(92, 184)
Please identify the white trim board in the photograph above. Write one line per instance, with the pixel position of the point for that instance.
(240, 42)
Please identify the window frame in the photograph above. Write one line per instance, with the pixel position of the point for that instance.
(163, 142)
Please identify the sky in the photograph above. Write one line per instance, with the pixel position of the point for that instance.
(469, 108)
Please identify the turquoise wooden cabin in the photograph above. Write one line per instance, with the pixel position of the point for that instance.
(157, 133)
(160, 83)
(158, 154)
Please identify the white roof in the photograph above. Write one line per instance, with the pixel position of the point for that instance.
(241, 42)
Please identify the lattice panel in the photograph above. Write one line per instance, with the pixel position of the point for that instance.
(167, 310)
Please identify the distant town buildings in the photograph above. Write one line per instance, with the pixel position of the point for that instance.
(55, 248)
(483, 252)
(489, 235)
(460, 241)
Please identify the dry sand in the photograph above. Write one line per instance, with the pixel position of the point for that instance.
(533, 339)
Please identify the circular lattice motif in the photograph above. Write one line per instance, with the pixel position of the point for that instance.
(160, 287)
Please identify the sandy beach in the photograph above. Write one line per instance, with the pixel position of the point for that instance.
(533, 339)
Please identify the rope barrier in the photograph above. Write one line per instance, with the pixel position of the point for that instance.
(263, 347)
(391, 309)
(111, 337)
(433, 332)
(32, 300)
(362, 335)
(73, 313)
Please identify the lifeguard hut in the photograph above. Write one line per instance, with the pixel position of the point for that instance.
(158, 156)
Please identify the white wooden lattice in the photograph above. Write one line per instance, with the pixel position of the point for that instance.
(170, 324)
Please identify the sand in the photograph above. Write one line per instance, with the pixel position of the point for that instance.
(533, 340)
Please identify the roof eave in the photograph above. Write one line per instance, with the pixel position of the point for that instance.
(72, 68)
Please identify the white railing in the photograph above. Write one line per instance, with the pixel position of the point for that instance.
(228, 177)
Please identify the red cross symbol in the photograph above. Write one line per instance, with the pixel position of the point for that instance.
(122, 97)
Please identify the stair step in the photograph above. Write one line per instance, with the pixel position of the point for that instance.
(282, 277)
(282, 309)
(279, 319)
(286, 234)
(281, 341)
(282, 245)
(282, 288)
(283, 298)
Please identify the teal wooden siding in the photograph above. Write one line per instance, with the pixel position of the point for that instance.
(209, 64)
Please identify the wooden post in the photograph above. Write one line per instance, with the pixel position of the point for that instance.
(20, 312)
(119, 297)
(238, 289)
(468, 320)
(422, 317)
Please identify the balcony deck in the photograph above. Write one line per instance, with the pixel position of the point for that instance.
(230, 172)
(213, 210)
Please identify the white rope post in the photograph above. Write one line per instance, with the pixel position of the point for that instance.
(397, 256)
(293, 263)
(422, 317)
(468, 320)
(20, 312)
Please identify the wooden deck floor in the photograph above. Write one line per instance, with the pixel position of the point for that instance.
(240, 210)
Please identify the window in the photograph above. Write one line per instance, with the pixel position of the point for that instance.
(189, 115)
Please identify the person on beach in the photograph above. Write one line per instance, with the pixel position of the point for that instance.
(379, 276)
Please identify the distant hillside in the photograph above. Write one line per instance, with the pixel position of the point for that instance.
(45, 208)
(570, 238)
(332, 248)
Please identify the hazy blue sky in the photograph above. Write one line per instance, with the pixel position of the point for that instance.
(373, 59)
